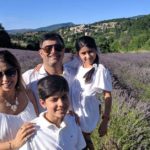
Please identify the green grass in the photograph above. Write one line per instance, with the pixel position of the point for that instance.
(128, 130)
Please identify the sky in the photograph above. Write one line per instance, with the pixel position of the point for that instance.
(25, 14)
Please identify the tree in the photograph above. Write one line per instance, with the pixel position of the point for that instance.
(4, 38)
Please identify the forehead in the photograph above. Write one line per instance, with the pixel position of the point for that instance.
(49, 42)
(59, 93)
(4, 66)
(86, 49)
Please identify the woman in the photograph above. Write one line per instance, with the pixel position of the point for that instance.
(15, 106)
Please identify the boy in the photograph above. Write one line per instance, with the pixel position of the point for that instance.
(55, 129)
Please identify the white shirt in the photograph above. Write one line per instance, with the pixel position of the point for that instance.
(84, 96)
(31, 78)
(49, 137)
(9, 124)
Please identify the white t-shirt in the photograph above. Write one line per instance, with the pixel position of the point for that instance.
(84, 96)
(9, 124)
(49, 137)
(31, 78)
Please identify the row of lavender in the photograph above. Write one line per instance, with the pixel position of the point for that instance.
(130, 122)
(130, 125)
(27, 59)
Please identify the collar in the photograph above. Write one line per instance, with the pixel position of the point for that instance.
(47, 124)
(42, 70)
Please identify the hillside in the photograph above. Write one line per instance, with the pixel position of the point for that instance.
(115, 35)
(47, 28)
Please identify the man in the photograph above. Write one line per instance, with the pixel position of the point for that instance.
(51, 51)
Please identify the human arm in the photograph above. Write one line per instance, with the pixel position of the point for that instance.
(25, 131)
(33, 100)
(106, 114)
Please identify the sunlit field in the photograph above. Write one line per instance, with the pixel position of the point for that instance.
(129, 126)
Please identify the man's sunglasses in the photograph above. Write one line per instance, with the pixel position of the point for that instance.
(48, 48)
(9, 73)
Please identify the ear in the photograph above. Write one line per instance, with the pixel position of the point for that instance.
(42, 103)
(41, 53)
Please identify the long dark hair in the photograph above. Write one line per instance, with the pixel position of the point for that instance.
(87, 41)
(9, 58)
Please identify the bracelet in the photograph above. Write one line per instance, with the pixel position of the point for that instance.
(10, 147)
(105, 117)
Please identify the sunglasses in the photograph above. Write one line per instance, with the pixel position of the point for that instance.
(9, 73)
(48, 48)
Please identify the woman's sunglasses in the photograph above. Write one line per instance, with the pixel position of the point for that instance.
(48, 48)
(9, 73)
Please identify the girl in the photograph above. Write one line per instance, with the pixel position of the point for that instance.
(91, 78)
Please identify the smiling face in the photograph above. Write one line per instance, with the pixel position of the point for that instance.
(87, 56)
(57, 106)
(51, 52)
(8, 77)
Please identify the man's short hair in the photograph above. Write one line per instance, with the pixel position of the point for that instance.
(53, 37)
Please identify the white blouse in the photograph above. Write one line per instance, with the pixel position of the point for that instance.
(84, 96)
(9, 124)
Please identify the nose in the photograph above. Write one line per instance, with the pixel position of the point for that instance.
(60, 102)
(53, 50)
(87, 55)
(4, 77)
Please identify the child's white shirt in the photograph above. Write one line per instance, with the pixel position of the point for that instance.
(49, 137)
(84, 96)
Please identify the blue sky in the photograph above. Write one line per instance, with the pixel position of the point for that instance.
(18, 14)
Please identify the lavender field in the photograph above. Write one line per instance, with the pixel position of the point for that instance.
(129, 128)
(130, 118)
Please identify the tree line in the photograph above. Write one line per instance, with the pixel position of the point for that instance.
(115, 35)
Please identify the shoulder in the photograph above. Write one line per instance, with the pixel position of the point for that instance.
(70, 121)
(102, 69)
(27, 74)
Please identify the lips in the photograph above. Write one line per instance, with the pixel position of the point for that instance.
(62, 111)
(7, 84)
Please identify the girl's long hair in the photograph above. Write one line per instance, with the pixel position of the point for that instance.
(89, 42)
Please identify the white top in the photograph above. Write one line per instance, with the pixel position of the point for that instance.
(49, 137)
(9, 124)
(84, 96)
(32, 76)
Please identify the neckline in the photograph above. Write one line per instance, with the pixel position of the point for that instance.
(28, 103)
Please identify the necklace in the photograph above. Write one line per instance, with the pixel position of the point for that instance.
(14, 106)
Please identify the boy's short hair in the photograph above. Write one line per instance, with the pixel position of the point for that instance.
(52, 36)
(51, 84)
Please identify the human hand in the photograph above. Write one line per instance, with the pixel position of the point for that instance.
(25, 132)
(103, 128)
(37, 68)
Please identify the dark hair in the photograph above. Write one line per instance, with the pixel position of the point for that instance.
(87, 41)
(51, 84)
(52, 36)
(9, 58)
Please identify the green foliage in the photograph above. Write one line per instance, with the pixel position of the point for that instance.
(4, 38)
(115, 35)
(128, 130)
